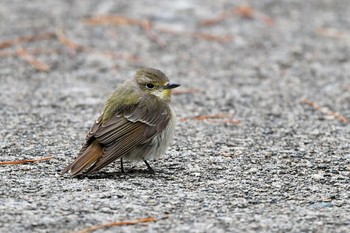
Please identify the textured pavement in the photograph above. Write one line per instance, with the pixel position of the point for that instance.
(275, 159)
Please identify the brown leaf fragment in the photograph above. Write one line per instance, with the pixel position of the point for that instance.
(40, 66)
(26, 161)
(115, 224)
(326, 111)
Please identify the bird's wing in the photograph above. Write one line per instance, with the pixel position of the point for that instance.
(129, 128)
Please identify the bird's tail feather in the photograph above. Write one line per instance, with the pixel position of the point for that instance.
(85, 160)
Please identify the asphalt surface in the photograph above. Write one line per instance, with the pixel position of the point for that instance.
(276, 158)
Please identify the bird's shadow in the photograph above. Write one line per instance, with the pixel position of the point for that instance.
(112, 175)
(129, 174)
(166, 172)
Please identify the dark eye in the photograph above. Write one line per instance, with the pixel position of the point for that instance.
(149, 85)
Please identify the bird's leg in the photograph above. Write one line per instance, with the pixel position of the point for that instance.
(121, 165)
(150, 169)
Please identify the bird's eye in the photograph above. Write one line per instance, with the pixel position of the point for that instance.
(149, 85)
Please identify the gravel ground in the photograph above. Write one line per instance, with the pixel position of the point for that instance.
(284, 168)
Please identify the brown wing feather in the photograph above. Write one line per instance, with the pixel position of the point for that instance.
(109, 133)
(121, 147)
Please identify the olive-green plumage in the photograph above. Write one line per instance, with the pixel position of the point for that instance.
(137, 123)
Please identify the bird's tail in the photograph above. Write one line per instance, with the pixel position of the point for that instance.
(85, 160)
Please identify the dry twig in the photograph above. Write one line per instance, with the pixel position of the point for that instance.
(30, 38)
(30, 51)
(211, 37)
(41, 66)
(26, 161)
(66, 41)
(330, 32)
(214, 118)
(242, 10)
(326, 111)
(245, 11)
(29, 54)
(185, 91)
(145, 24)
(221, 17)
(115, 224)
(148, 28)
(112, 20)
(199, 35)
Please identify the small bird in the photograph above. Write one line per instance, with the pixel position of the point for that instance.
(137, 124)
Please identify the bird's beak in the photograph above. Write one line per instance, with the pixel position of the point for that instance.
(171, 86)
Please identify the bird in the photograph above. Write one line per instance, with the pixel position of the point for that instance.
(137, 124)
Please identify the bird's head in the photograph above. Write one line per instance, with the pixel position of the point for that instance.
(153, 81)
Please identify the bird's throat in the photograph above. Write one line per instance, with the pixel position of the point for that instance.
(164, 94)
